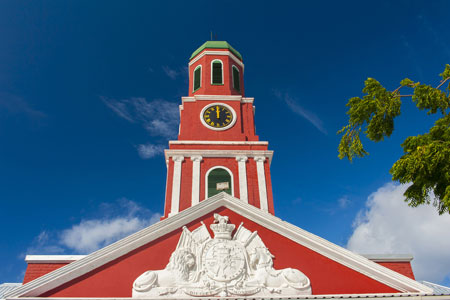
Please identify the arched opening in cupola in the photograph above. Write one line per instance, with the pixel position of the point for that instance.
(216, 72)
(197, 77)
(219, 179)
(236, 79)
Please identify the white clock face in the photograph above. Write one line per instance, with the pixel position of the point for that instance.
(218, 116)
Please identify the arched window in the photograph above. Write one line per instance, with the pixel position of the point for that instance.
(216, 72)
(219, 179)
(197, 77)
(236, 79)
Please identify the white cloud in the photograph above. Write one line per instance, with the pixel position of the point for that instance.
(43, 244)
(120, 219)
(158, 117)
(91, 235)
(170, 72)
(173, 73)
(389, 225)
(16, 105)
(149, 150)
(343, 202)
(120, 108)
(299, 110)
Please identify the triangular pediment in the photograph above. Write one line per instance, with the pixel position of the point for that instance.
(302, 244)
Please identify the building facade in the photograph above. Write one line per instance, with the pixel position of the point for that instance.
(219, 236)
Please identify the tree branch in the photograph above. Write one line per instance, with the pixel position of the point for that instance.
(403, 96)
(442, 82)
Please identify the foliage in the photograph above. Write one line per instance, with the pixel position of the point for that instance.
(426, 159)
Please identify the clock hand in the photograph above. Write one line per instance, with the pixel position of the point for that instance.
(218, 112)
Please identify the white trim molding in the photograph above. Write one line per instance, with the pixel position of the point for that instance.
(214, 168)
(186, 142)
(389, 257)
(222, 52)
(262, 187)
(221, 128)
(218, 153)
(214, 98)
(392, 296)
(176, 184)
(232, 77)
(193, 78)
(242, 177)
(196, 160)
(212, 71)
(52, 259)
(317, 244)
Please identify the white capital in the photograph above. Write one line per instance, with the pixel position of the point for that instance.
(259, 158)
(178, 158)
(241, 158)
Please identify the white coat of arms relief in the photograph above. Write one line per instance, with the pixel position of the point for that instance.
(226, 265)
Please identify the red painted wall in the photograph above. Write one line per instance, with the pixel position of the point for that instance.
(206, 87)
(403, 268)
(115, 278)
(192, 128)
(35, 270)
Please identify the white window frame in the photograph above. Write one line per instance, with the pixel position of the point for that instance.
(221, 62)
(212, 169)
(232, 77)
(193, 78)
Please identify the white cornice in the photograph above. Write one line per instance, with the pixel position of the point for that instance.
(389, 257)
(394, 296)
(52, 259)
(246, 143)
(219, 153)
(215, 98)
(222, 52)
(126, 245)
(218, 98)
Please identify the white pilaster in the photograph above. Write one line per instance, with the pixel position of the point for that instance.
(242, 178)
(261, 182)
(195, 179)
(176, 183)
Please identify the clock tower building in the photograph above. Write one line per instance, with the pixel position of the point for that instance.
(219, 236)
(217, 148)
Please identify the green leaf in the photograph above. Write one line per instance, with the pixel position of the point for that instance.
(406, 82)
(446, 73)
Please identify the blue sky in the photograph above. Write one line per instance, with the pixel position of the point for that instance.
(82, 84)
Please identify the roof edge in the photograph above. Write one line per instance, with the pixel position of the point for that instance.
(216, 45)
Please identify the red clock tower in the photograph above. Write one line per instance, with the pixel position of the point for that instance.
(217, 148)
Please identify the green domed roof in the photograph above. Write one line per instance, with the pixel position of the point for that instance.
(216, 45)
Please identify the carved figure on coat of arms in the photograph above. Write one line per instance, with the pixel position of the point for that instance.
(226, 265)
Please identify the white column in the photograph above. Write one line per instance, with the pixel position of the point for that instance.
(195, 179)
(176, 182)
(242, 178)
(261, 182)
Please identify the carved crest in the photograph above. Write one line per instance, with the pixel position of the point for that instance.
(226, 265)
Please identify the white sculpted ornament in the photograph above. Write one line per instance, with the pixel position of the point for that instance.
(224, 266)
